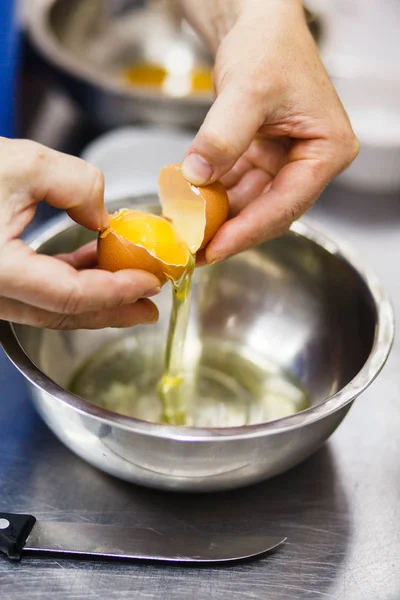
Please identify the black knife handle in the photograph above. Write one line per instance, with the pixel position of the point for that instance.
(14, 531)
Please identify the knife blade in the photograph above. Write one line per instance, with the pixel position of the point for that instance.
(23, 533)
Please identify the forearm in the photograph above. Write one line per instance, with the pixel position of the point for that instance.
(217, 17)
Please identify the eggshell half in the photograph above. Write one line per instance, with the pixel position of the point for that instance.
(196, 212)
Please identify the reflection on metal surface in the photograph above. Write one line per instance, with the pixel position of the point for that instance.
(141, 543)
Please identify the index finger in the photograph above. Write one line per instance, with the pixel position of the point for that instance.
(36, 173)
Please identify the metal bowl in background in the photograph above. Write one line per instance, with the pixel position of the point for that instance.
(301, 300)
(86, 48)
(85, 43)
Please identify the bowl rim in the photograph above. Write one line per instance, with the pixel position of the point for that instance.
(383, 341)
(43, 38)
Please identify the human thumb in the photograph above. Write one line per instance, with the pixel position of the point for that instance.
(227, 132)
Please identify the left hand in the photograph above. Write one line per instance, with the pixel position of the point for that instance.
(277, 132)
(64, 291)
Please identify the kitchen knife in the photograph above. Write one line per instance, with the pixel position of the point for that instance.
(23, 533)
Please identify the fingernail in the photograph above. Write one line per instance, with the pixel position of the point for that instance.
(196, 169)
(153, 316)
(105, 218)
(213, 260)
(152, 292)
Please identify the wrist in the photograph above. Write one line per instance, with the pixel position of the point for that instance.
(215, 19)
(218, 17)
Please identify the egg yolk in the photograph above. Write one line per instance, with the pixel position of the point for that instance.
(199, 79)
(146, 74)
(153, 233)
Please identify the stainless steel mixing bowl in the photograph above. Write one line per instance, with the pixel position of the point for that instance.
(302, 300)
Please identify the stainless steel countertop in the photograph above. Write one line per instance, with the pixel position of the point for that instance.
(340, 509)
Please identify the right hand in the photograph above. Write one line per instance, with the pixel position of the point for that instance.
(277, 132)
(63, 292)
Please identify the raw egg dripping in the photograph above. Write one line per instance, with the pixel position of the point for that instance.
(166, 246)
